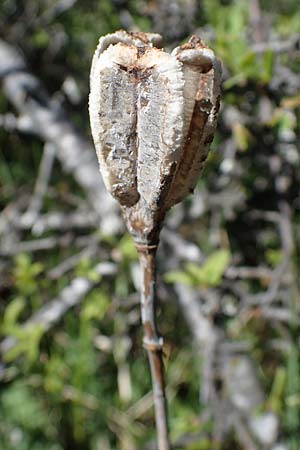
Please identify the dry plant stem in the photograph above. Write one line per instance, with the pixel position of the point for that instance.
(153, 343)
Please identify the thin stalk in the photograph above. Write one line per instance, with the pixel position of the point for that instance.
(153, 343)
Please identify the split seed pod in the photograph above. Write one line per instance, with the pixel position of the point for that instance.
(153, 117)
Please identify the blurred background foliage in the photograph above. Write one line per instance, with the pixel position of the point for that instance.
(83, 381)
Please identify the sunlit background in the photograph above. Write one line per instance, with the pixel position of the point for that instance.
(73, 372)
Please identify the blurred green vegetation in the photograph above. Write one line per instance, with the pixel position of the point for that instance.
(84, 384)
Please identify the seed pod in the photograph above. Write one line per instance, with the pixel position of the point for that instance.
(153, 117)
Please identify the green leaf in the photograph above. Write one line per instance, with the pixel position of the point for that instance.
(56, 374)
(12, 313)
(26, 273)
(95, 306)
(248, 60)
(179, 277)
(211, 273)
(268, 64)
(203, 444)
(28, 340)
(127, 248)
(241, 136)
(41, 38)
(274, 257)
(237, 79)
(23, 407)
(275, 401)
(86, 269)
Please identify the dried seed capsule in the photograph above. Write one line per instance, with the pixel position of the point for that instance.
(202, 94)
(153, 116)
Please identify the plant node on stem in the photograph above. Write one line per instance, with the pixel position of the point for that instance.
(153, 342)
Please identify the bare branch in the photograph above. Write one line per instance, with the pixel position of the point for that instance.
(47, 120)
